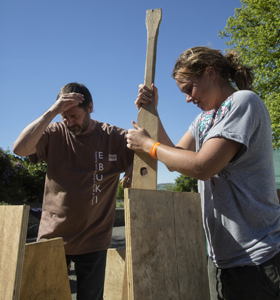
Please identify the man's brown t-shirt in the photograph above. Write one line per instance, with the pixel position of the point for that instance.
(81, 184)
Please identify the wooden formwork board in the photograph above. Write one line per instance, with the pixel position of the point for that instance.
(29, 271)
(45, 275)
(115, 287)
(165, 246)
(13, 229)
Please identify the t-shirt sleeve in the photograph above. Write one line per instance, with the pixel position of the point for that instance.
(242, 119)
(41, 147)
(193, 128)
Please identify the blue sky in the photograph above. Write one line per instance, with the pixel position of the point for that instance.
(102, 44)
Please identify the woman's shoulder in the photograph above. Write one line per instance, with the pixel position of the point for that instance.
(246, 99)
(245, 95)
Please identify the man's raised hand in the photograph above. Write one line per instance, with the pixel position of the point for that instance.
(66, 101)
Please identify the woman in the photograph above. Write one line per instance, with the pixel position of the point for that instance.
(228, 147)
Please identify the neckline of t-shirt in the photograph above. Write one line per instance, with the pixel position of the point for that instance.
(83, 136)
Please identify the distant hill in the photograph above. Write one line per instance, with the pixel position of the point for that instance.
(163, 186)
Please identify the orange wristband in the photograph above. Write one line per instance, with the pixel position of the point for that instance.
(154, 150)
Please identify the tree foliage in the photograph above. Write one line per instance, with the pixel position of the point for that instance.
(254, 31)
(20, 180)
(185, 184)
(120, 192)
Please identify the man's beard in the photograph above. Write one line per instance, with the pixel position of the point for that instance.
(78, 130)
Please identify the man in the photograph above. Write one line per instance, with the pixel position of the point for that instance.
(85, 158)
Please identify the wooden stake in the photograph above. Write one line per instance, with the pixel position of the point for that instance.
(144, 166)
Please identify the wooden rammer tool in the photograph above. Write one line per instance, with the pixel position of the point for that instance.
(144, 166)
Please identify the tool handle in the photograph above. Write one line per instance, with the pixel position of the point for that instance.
(144, 166)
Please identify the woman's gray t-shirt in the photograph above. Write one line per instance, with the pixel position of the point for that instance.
(241, 213)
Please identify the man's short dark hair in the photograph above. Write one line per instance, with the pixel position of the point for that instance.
(74, 87)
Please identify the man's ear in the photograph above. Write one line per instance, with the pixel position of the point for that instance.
(90, 107)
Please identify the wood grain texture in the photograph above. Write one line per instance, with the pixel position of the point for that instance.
(147, 115)
(45, 274)
(165, 246)
(190, 246)
(13, 230)
(115, 287)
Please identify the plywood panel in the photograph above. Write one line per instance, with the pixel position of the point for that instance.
(45, 275)
(13, 229)
(190, 246)
(115, 287)
(164, 242)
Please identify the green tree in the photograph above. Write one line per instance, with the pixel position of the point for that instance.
(169, 187)
(20, 180)
(120, 192)
(185, 184)
(34, 182)
(254, 31)
(10, 175)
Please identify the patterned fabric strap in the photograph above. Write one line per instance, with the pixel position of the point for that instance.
(211, 117)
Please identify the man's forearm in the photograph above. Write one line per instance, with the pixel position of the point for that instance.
(29, 137)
